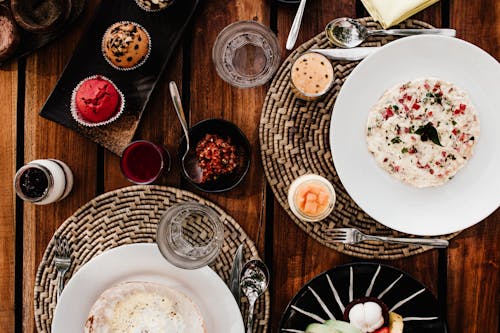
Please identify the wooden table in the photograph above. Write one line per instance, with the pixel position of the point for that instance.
(465, 277)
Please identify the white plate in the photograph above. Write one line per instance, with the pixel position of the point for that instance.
(144, 262)
(474, 192)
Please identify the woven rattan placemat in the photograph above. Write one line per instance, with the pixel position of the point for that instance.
(294, 138)
(125, 216)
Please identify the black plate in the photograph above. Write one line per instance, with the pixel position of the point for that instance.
(422, 305)
(224, 129)
(165, 28)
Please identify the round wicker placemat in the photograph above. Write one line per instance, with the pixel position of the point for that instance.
(125, 216)
(294, 138)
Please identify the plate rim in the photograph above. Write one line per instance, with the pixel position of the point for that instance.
(150, 247)
(398, 44)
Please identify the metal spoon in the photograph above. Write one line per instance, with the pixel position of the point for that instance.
(294, 30)
(347, 32)
(189, 161)
(254, 282)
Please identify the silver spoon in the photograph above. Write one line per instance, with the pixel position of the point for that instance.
(189, 161)
(346, 32)
(294, 30)
(254, 281)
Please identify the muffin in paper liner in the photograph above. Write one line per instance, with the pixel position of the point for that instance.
(142, 60)
(75, 113)
(154, 5)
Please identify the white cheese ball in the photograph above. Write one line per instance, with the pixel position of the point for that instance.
(366, 316)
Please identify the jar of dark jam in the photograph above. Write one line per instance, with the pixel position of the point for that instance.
(43, 181)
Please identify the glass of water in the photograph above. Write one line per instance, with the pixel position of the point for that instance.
(190, 235)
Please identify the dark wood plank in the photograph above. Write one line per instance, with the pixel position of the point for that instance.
(8, 135)
(45, 139)
(473, 271)
(213, 98)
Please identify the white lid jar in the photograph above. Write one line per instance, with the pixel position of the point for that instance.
(43, 181)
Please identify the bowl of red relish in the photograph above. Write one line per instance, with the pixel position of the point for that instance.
(222, 152)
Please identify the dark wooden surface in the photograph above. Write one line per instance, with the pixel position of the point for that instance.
(465, 277)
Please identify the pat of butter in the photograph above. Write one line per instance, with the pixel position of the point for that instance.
(391, 12)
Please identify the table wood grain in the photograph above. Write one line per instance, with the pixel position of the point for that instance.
(464, 277)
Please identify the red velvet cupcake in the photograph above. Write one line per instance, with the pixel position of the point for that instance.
(96, 101)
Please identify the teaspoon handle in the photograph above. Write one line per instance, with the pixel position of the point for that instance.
(294, 30)
(412, 32)
(250, 315)
(176, 100)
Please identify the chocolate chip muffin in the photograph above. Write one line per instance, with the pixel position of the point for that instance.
(154, 5)
(126, 45)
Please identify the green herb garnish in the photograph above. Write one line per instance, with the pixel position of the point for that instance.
(404, 150)
(396, 140)
(428, 132)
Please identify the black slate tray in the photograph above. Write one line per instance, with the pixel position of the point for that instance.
(165, 28)
(30, 42)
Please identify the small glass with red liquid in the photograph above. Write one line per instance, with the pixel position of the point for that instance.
(143, 162)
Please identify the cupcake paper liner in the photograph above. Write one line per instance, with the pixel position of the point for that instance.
(145, 8)
(75, 113)
(138, 64)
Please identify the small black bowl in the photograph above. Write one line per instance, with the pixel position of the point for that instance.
(224, 129)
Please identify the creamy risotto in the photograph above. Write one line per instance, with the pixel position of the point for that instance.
(423, 131)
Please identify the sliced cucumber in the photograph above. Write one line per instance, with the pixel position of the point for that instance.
(342, 326)
(320, 328)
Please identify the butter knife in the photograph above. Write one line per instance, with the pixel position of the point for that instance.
(354, 54)
(234, 279)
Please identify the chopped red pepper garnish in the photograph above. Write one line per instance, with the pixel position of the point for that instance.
(388, 113)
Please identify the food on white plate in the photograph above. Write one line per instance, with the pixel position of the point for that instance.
(423, 132)
(144, 307)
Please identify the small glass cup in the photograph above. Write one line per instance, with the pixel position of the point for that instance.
(246, 54)
(190, 235)
(299, 186)
(143, 162)
(311, 76)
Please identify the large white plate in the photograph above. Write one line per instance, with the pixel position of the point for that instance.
(474, 192)
(144, 262)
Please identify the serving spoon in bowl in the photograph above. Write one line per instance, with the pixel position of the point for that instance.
(189, 162)
(346, 32)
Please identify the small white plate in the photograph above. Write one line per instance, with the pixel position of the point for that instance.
(474, 192)
(144, 262)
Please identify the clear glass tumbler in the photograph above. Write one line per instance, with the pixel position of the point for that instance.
(190, 235)
(246, 54)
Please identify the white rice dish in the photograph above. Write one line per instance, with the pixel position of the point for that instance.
(133, 307)
(423, 132)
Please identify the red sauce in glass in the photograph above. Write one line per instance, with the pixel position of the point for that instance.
(142, 162)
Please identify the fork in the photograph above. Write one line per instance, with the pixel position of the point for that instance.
(353, 236)
(62, 261)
